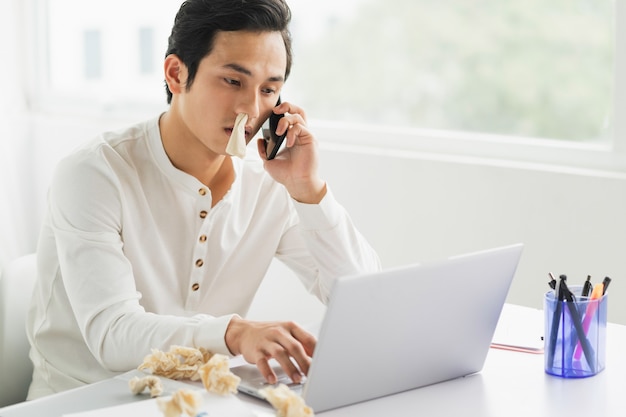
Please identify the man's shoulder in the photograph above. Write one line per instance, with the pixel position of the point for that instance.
(139, 132)
(114, 142)
(110, 151)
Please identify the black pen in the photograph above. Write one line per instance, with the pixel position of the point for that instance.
(556, 319)
(577, 320)
(605, 284)
(587, 287)
(552, 282)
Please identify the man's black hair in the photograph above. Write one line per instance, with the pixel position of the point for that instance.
(198, 21)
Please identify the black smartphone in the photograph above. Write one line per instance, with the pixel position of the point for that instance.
(272, 140)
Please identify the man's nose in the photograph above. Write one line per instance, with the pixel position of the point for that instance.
(249, 103)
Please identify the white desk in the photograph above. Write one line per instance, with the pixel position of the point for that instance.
(510, 384)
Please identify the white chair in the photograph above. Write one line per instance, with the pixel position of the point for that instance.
(16, 287)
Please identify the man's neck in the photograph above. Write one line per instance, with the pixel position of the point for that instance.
(189, 155)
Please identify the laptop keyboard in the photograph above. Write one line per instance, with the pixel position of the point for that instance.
(284, 379)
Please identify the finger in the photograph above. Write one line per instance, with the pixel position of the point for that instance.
(291, 345)
(261, 144)
(287, 107)
(288, 366)
(305, 338)
(292, 135)
(287, 349)
(304, 363)
(266, 370)
(299, 352)
(297, 133)
(288, 121)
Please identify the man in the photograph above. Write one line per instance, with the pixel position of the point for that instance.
(155, 236)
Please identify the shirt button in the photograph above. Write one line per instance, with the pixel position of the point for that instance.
(195, 287)
(202, 191)
(203, 214)
(202, 238)
(199, 263)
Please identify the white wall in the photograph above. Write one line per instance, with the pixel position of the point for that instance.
(12, 104)
(416, 207)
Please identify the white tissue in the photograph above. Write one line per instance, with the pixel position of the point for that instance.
(237, 142)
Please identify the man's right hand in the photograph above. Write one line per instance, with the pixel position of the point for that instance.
(258, 342)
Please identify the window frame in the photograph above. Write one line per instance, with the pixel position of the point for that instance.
(440, 144)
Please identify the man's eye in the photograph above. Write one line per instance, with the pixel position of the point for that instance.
(268, 91)
(232, 81)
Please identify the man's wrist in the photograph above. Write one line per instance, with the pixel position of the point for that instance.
(312, 193)
(233, 334)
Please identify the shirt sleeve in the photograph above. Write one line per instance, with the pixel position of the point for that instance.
(85, 216)
(324, 244)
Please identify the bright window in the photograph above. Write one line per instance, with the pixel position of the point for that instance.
(104, 54)
(518, 67)
(521, 68)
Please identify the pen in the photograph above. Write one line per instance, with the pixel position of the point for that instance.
(605, 284)
(587, 287)
(552, 282)
(591, 309)
(598, 292)
(556, 318)
(580, 333)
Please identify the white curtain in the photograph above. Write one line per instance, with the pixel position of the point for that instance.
(16, 238)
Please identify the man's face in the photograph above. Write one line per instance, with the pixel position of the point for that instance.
(244, 73)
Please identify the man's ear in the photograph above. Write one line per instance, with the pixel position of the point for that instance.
(175, 73)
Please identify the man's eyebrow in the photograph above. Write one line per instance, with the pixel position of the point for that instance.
(238, 68)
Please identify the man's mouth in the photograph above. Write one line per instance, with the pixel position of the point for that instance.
(229, 131)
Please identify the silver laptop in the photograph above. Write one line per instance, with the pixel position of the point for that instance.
(404, 328)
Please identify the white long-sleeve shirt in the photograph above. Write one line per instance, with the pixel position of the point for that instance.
(133, 257)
